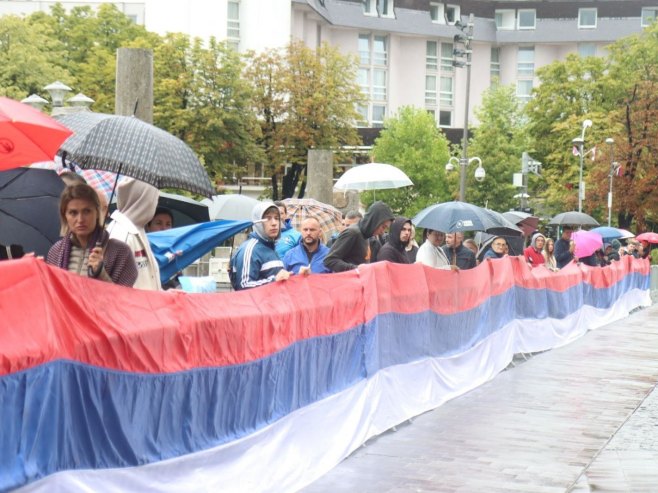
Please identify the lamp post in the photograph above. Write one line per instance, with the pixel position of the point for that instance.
(580, 142)
(58, 92)
(465, 39)
(479, 174)
(613, 169)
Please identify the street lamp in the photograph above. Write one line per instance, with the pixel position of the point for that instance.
(479, 174)
(580, 142)
(614, 165)
(466, 39)
(58, 92)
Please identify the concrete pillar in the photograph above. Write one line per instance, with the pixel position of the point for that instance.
(134, 84)
(320, 175)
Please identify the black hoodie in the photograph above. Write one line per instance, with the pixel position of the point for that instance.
(394, 250)
(351, 247)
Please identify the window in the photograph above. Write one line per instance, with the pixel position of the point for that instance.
(527, 19)
(495, 64)
(452, 14)
(587, 18)
(446, 91)
(446, 57)
(524, 90)
(649, 15)
(372, 77)
(379, 8)
(437, 12)
(369, 7)
(233, 24)
(586, 49)
(431, 56)
(505, 19)
(445, 118)
(526, 61)
(430, 90)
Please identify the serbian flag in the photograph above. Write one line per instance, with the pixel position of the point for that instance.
(619, 170)
(575, 151)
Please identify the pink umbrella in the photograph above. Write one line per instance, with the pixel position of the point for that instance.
(648, 237)
(587, 242)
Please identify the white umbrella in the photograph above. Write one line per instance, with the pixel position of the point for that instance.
(372, 176)
(230, 206)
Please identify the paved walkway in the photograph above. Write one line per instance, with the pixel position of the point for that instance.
(575, 419)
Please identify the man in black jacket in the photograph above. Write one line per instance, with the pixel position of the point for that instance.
(398, 239)
(458, 254)
(564, 252)
(351, 247)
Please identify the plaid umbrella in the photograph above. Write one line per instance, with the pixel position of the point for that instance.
(330, 218)
(101, 181)
(131, 147)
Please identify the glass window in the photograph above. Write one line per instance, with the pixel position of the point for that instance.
(586, 49)
(587, 18)
(385, 8)
(430, 90)
(431, 57)
(445, 118)
(505, 19)
(379, 55)
(368, 7)
(363, 79)
(527, 19)
(436, 12)
(649, 15)
(379, 85)
(378, 115)
(524, 90)
(526, 61)
(364, 49)
(446, 91)
(452, 13)
(495, 63)
(233, 23)
(362, 109)
(446, 57)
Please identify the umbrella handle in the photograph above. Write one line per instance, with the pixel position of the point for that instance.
(95, 273)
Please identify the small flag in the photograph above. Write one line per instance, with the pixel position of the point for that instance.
(593, 151)
(575, 151)
(619, 170)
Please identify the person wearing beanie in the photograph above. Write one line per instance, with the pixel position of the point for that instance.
(613, 254)
(256, 262)
(534, 253)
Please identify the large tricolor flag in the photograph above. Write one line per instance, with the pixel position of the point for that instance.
(105, 388)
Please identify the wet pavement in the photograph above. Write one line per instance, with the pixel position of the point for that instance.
(579, 418)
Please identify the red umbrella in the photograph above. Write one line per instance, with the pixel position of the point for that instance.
(27, 135)
(648, 237)
(587, 242)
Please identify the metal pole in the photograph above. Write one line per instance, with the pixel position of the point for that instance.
(611, 143)
(463, 162)
(580, 180)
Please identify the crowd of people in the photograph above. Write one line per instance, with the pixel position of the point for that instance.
(120, 252)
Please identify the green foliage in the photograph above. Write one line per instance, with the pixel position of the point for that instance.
(411, 141)
(499, 140)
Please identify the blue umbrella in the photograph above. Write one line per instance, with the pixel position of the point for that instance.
(193, 241)
(608, 233)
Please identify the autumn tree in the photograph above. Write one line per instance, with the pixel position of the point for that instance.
(411, 141)
(304, 99)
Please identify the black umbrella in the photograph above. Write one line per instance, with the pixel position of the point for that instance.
(29, 208)
(185, 210)
(131, 147)
(573, 218)
(451, 217)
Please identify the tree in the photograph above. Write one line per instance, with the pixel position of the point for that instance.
(304, 99)
(499, 140)
(411, 141)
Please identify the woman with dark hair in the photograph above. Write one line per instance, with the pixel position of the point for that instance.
(81, 249)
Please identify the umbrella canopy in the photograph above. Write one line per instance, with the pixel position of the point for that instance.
(372, 176)
(192, 242)
(625, 234)
(29, 208)
(608, 233)
(649, 237)
(573, 218)
(131, 147)
(27, 135)
(185, 210)
(330, 218)
(587, 242)
(230, 206)
(451, 217)
(101, 181)
(527, 222)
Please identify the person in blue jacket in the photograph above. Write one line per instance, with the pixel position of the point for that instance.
(256, 262)
(308, 256)
(290, 237)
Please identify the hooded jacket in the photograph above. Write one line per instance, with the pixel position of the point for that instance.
(136, 204)
(256, 262)
(288, 239)
(351, 247)
(534, 256)
(394, 250)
